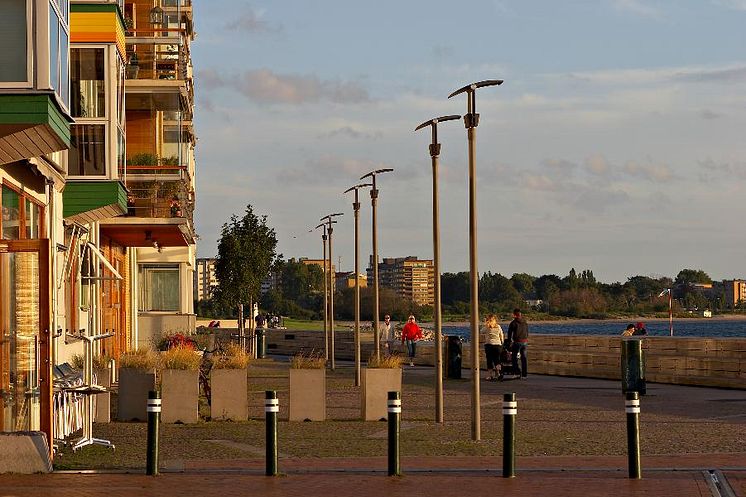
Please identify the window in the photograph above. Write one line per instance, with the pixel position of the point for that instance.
(87, 81)
(159, 287)
(14, 40)
(22, 216)
(59, 49)
(87, 153)
(11, 214)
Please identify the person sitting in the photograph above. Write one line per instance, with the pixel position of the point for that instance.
(640, 329)
(629, 331)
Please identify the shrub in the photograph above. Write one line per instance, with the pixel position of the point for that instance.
(144, 359)
(100, 361)
(310, 360)
(181, 357)
(234, 357)
(392, 361)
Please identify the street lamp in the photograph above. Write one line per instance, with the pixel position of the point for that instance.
(329, 229)
(356, 208)
(471, 121)
(434, 153)
(326, 294)
(373, 202)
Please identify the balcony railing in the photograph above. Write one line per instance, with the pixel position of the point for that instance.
(160, 199)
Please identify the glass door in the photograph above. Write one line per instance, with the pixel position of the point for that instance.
(25, 388)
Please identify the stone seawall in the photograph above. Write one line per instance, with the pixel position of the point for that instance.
(718, 362)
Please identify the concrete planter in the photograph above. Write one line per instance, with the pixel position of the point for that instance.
(103, 400)
(229, 397)
(134, 385)
(180, 396)
(307, 395)
(377, 383)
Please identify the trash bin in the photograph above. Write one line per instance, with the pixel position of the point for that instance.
(633, 366)
(453, 357)
(261, 343)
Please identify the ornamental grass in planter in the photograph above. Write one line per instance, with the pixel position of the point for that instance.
(136, 378)
(383, 375)
(229, 385)
(307, 388)
(101, 377)
(180, 384)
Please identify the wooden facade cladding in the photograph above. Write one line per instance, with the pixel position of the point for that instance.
(97, 23)
(89, 201)
(31, 125)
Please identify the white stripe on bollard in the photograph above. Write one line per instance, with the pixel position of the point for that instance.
(268, 402)
(632, 403)
(511, 412)
(510, 404)
(154, 408)
(632, 410)
(154, 402)
(395, 410)
(394, 403)
(272, 409)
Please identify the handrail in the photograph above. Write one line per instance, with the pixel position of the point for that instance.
(156, 168)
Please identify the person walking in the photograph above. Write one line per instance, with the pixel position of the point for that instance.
(629, 331)
(640, 329)
(518, 339)
(409, 335)
(385, 334)
(492, 336)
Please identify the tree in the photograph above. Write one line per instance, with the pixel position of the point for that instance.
(454, 287)
(523, 283)
(688, 276)
(246, 252)
(498, 289)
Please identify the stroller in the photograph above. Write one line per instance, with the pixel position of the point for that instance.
(506, 364)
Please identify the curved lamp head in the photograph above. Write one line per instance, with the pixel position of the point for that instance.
(356, 187)
(435, 121)
(372, 174)
(481, 84)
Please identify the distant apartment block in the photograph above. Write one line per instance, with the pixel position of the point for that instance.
(735, 291)
(411, 278)
(317, 262)
(347, 280)
(205, 280)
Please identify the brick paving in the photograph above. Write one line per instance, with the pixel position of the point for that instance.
(576, 464)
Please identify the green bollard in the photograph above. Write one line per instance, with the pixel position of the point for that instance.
(154, 421)
(271, 408)
(510, 410)
(394, 420)
(632, 407)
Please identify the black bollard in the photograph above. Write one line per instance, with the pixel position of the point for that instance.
(394, 420)
(510, 410)
(154, 421)
(271, 408)
(632, 407)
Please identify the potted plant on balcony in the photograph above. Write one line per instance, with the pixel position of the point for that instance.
(136, 378)
(382, 375)
(307, 388)
(180, 383)
(229, 385)
(133, 66)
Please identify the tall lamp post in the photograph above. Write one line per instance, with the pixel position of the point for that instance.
(434, 154)
(356, 209)
(373, 202)
(471, 121)
(329, 229)
(326, 293)
(670, 309)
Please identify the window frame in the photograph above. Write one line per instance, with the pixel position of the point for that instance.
(145, 290)
(29, 83)
(22, 198)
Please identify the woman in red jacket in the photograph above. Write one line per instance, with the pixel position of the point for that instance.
(409, 335)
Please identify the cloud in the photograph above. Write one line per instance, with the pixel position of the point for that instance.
(351, 132)
(711, 170)
(731, 4)
(251, 22)
(709, 114)
(597, 164)
(266, 86)
(326, 170)
(652, 172)
(636, 7)
(734, 74)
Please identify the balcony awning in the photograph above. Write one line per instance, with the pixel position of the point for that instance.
(31, 125)
(148, 232)
(86, 201)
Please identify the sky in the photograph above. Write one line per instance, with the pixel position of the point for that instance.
(615, 144)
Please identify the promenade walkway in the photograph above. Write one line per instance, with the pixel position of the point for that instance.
(570, 442)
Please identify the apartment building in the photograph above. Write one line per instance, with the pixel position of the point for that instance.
(411, 278)
(735, 291)
(205, 280)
